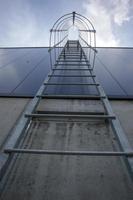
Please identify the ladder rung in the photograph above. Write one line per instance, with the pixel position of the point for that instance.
(72, 69)
(87, 97)
(67, 61)
(68, 64)
(70, 153)
(73, 60)
(76, 84)
(74, 116)
(70, 113)
(67, 50)
(73, 47)
(70, 49)
(72, 76)
(71, 52)
(70, 55)
(76, 53)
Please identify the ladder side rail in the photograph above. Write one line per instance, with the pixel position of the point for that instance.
(116, 127)
(20, 128)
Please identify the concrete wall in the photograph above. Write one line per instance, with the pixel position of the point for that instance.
(10, 110)
(70, 177)
(124, 111)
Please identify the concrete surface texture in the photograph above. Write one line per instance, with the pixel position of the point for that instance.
(10, 110)
(124, 111)
(69, 177)
(70, 105)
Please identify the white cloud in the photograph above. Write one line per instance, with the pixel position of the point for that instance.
(121, 11)
(28, 33)
(104, 17)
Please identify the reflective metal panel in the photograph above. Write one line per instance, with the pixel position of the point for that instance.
(22, 71)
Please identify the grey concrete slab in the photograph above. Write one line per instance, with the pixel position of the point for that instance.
(124, 111)
(65, 177)
(10, 110)
(70, 105)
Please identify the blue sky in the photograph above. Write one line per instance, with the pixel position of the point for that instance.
(27, 22)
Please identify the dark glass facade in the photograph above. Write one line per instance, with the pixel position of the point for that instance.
(22, 71)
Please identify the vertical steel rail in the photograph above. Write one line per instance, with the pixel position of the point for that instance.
(18, 131)
(116, 126)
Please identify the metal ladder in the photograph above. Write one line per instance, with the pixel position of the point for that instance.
(72, 58)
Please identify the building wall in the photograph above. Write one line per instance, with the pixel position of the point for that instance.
(124, 111)
(68, 177)
(10, 110)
